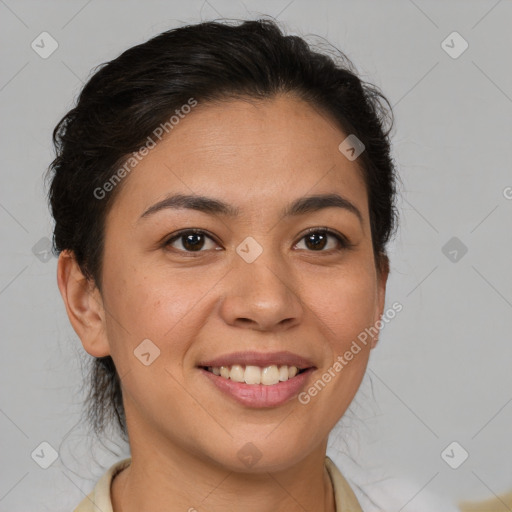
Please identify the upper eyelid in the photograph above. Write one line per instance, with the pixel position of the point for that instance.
(184, 232)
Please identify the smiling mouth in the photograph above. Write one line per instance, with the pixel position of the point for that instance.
(249, 374)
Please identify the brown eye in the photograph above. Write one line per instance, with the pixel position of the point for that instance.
(190, 241)
(318, 239)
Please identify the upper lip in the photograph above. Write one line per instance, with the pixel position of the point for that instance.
(259, 359)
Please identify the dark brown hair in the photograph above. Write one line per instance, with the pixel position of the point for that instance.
(129, 97)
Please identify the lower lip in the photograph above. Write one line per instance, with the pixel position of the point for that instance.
(259, 395)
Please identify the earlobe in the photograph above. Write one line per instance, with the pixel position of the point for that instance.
(84, 305)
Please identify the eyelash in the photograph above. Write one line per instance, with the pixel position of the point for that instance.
(343, 241)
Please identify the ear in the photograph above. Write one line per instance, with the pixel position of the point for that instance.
(84, 305)
(382, 279)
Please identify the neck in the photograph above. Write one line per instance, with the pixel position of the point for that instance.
(158, 480)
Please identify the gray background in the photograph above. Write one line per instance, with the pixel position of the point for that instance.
(442, 369)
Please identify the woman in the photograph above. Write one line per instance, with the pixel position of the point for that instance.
(223, 196)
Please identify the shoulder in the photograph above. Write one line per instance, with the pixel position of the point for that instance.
(99, 498)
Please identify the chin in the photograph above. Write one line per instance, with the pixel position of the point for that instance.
(262, 455)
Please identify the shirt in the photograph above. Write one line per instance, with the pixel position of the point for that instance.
(494, 504)
(100, 498)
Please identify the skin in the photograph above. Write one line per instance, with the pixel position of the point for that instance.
(258, 156)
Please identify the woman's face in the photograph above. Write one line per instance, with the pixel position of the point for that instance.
(253, 283)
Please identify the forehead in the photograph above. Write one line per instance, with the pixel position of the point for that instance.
(249, 153)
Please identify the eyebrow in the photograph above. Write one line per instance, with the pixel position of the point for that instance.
(214, 206)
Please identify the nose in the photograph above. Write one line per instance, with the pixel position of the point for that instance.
(261, 296)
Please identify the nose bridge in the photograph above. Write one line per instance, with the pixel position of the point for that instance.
(261, 289)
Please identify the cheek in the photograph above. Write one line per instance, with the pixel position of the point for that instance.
(344, 305)
(145, 303)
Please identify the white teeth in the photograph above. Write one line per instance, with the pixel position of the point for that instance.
(252, 375)
(268, 376)
(237, 373)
